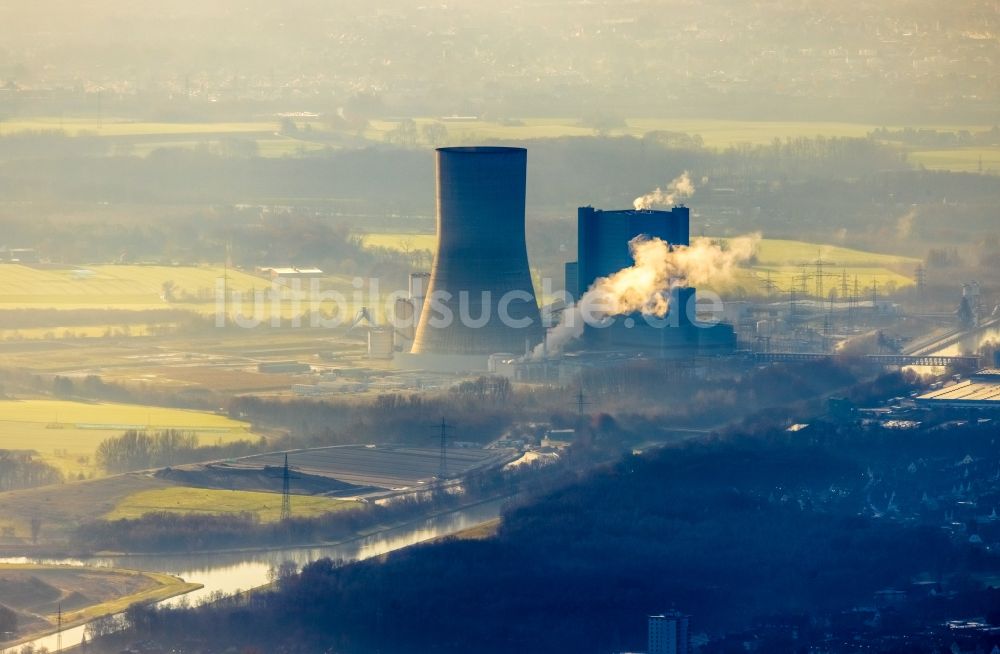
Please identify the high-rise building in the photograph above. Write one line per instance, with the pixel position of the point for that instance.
(669, 633)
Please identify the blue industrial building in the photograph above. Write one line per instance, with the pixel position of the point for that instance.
(603, 237)
(603, 249)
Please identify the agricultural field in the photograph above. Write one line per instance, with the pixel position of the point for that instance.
(66, 434)
(117, 286)
(774, 252)
(120, 127)
(38, 592)
(80, 331)
(782, 261)
(182, 499)
(140, 287)
(140, 138)
(715, 133)
(272, 145)
(967, 160)
(400, 241)
(783, 266)
(788, 265)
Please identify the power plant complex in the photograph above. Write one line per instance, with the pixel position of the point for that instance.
(478, 305)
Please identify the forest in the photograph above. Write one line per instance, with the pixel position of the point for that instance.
(579, 568)
(633, 401)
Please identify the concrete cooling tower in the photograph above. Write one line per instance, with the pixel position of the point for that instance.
(481, 270)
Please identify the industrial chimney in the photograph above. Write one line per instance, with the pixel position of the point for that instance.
(480, 276)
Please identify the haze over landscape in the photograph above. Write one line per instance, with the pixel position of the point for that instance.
(554, 326)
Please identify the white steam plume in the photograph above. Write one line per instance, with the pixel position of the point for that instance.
(644, 287)
(678, 189)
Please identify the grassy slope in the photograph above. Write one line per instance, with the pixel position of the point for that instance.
(180, 499)
(784, 261)
(99, 584)
(66, 434)
(63, 507)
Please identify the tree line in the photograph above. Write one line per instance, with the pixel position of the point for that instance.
(20, 469)
(139, 450)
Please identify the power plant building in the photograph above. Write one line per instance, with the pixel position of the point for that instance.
(603, 248)
(479, 302)
(479, 299)
(603, 238)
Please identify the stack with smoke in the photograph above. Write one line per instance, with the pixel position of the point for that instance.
(678, 189)
(645, 286)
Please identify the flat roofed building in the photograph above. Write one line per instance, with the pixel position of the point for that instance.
(603, 240)
(979, 391)
(292, 273)
(669, 633)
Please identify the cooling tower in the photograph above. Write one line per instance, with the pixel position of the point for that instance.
(480, 298)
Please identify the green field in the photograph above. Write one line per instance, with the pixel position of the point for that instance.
(716, 133)
(75, 331)
(401, 241)
(66, 434)
(784, 260)
(969, 160)
(118, 127)
(140, 138)
(772, 252)
(140, 287)
(125, 286)
(181, 499)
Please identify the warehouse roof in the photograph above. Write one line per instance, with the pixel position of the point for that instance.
(980, 390)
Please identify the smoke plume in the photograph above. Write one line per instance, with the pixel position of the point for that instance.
(905, 224)
(644, 287)
(678, 189)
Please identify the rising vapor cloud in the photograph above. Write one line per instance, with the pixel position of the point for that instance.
(644, 287)
(680, 188)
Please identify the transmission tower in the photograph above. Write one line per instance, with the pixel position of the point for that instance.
(819, 279)
(799, 287)
(286, 492)
(855, 298)
(443, 463)
(769, 284)
(580, 402)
